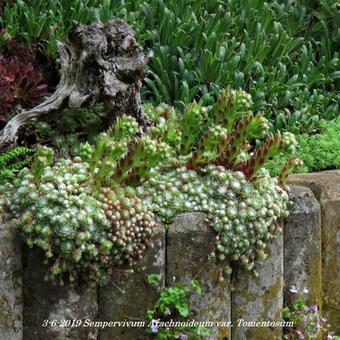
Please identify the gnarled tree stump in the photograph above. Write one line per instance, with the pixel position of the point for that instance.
(100, 63)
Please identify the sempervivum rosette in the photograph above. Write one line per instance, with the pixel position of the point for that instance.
(84, 232)
(243, 213)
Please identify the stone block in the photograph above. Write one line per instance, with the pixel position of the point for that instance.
(46, 301)
(189, 241)
(260, 299)
(326, 188)
(302, 245)
(129, 295)
(10, 284)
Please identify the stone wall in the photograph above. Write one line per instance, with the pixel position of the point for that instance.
(306, 254)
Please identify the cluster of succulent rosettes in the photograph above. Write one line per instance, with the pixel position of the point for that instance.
(132, 224)
(84, 151)
(201, 160)
(181, 131)
(242, 213)
(83, 232)
(230, 106)
(289, 142)
(120, 156)
(220, 134)
(267, 151)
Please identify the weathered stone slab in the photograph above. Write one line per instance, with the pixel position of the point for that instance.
(129, 295)
(45, 301)
(10, 284)
(326, 188)
(189, 241)
(302, 246)
(332, 172)
(260, 299)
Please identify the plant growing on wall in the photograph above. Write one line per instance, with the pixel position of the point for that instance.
(84, 232)
(217, 171)
(308, 322)
(96, 211)
(173, 304)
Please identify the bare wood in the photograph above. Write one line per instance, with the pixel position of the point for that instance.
(100, 63)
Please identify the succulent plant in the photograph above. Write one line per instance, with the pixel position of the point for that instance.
(20, 84)
(121, 156)
(97, 211)
(268, 150)
(221, 135)
(290, 165)
(242, 213)
(165, 128)
(230, 106)
(83, 231)
(43, 158)
(194, 118)
(209, 146)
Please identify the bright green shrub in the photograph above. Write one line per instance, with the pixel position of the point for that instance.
(321, 151)
(318, 152)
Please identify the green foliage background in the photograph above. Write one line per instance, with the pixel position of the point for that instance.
(284, 53)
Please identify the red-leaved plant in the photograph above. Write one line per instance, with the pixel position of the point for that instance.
(20, 84)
